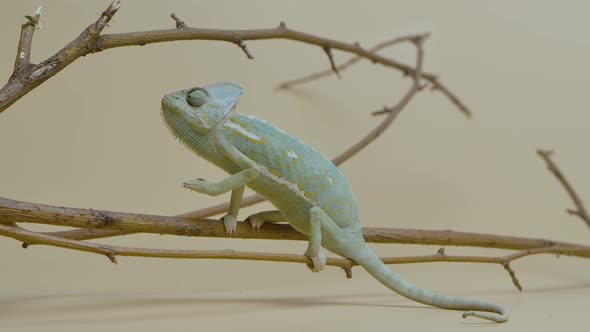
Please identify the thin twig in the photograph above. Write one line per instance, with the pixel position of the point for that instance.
(329, 72)
(244, 48)
(328, 52)
(580, 210)
(179, 23)
(32, 237)
(433, 79)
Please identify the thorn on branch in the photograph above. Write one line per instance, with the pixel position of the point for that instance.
(328, 51)
(244, 48)
(179, 23)
(515, 280)
(382, 111)
(111, 256)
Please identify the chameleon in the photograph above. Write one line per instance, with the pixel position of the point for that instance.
(308, 190)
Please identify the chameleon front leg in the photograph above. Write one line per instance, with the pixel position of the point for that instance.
(248, 173)
(235, 183)
(318, 221)
(230, 219)
(257, 219)
(217, 188)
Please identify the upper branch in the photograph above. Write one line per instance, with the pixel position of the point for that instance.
(25, 42)
(27, 77)
(90, 41)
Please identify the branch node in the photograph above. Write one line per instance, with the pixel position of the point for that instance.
(105, 219)
(441, 251)
(328, 51)
(25, 245)
(282, 26)
(35, 19)
(348, 271)
(244, 48)
(111, 256)
(179, 23)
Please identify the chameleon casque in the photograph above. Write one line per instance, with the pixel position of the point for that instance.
(309, 192)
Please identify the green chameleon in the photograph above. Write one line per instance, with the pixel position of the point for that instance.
(309, 192)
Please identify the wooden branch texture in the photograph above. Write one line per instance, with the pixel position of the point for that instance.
(23, 212)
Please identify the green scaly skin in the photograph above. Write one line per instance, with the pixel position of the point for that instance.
(309, 192)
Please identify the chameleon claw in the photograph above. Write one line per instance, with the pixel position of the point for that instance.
(197, 185)
(230, 224)
(317, 262)
(255, 222)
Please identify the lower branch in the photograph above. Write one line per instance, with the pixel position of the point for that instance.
(111, 252)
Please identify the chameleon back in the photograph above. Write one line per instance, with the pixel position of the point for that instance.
(304, 175)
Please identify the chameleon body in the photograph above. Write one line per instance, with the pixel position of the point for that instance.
(309, 192)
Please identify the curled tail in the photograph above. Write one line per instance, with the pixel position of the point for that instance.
(368, 260)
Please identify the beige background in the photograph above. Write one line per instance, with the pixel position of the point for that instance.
(92, 137)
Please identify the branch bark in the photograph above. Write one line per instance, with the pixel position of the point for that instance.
(12, 211)
(111, 252)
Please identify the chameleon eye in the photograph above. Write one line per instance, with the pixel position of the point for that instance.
(197, 97)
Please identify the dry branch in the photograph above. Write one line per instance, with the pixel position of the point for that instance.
(91, 40)
(23, 212)
(580, 210)
(111, 252)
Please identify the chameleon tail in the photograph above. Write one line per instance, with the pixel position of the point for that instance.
(368, 260)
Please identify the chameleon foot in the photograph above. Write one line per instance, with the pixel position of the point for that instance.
(197, 185)
(255, 221)
(318, 262)
(230, 223)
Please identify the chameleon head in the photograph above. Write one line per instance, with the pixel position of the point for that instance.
(201, 108)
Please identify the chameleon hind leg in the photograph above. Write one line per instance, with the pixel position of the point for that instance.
(257, 219)
(318, 221)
